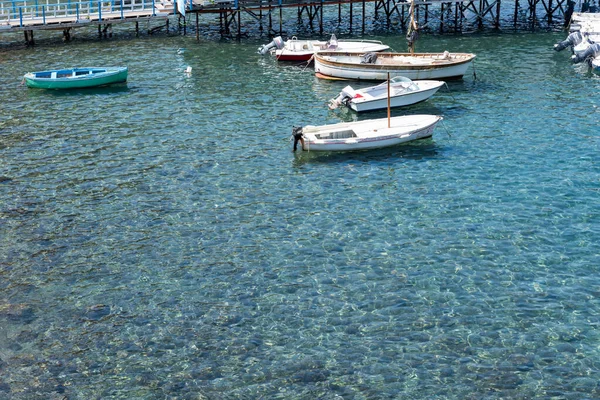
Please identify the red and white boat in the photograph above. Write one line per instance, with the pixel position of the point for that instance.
(303, 50)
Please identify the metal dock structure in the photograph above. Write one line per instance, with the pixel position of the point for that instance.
(437, 15)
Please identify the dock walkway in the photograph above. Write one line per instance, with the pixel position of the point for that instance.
(31, 15)
(36, 15)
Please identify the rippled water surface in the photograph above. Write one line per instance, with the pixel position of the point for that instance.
(161, 240)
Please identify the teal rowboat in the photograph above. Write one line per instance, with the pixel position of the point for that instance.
(75, 78)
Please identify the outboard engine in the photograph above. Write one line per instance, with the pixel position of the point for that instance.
(276, 42)
(592, 52)
(298, 137)
(346, 94)
(572, 40)
(580, 48)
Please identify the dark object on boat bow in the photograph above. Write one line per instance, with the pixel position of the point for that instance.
(298, 137)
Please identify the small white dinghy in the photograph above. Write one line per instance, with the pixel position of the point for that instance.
(367, 134)
(402, 92)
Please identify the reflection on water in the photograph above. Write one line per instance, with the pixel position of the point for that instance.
(100, 91)
(417, 150)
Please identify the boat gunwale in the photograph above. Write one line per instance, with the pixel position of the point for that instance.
(313, 129)
(395, 54)
(107, 72)
(320, 57)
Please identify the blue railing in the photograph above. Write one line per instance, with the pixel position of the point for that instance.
(32, 12)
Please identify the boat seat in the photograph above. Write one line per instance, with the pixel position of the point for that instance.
(345, 134)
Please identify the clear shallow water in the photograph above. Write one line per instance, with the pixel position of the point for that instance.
(160, 239)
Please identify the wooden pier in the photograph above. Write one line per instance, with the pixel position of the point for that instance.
(30, 16)
(434, 15)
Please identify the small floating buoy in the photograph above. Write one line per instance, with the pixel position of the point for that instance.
(180, 50)
(188, 70)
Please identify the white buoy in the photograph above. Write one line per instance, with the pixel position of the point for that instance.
(188, 70)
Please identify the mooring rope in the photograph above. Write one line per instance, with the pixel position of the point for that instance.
(308, 62)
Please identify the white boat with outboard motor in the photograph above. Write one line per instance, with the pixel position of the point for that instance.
(401, 92)
(365, 135)
(303, 50)
(591, 56)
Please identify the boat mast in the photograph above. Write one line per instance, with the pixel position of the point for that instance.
(388, 98)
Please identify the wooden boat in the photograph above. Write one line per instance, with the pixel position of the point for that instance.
(402, 92)
(303, 50)
(75, 78)
(376, 66)
(367, 134)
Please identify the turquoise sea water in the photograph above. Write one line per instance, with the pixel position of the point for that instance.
(159, 240)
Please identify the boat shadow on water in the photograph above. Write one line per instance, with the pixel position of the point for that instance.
(100, 91)
(347, 115)
(417, 150)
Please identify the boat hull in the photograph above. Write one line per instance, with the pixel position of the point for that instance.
(372, 134)
(294, 55)
(362, 104)
(413, 66)
(76, 78)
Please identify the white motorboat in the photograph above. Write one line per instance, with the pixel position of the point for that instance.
(303, 50)
(578, 41)
(377, 66)
(367, 134)
(401, 92)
